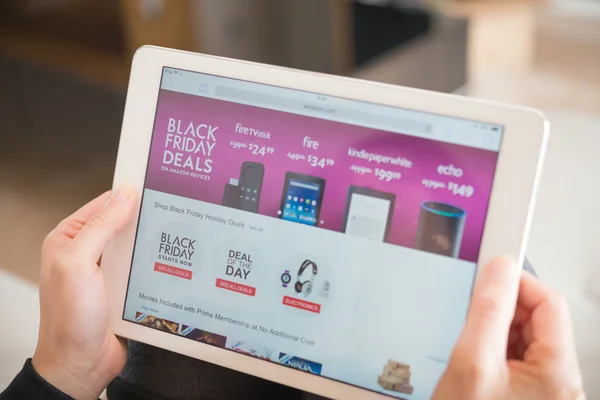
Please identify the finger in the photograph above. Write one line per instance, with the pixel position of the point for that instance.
(101, 226)
(550, 323)
(71, 225)
(492, 309)
(68, 228)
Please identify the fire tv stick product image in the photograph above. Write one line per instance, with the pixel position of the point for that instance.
(232, 197)
(251, 179)
(440, 229)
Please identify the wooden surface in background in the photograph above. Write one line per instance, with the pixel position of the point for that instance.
(173, 27)
(342, 32)
(103, 67)
(104, 62)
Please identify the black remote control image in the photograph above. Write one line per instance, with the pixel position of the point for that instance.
(251, 179)
(232, 197)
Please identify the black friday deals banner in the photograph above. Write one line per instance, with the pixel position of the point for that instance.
(188, 147)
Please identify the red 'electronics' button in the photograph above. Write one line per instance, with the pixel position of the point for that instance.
(236, 287)
(170, 270)
(301, 304)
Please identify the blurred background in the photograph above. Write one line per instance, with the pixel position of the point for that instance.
(64, 68)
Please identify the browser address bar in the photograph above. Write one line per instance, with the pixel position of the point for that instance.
(347, 114)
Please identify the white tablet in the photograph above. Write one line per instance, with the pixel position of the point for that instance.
(317, 231)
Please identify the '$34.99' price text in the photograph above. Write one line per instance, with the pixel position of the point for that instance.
(461, 190)
(315, 161)
(387, 176)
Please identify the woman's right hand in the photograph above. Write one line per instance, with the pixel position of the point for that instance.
(517, 343)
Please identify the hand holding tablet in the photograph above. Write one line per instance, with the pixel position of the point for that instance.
(397, 195)
(481, 347)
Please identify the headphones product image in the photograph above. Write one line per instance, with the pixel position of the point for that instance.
(306, 287)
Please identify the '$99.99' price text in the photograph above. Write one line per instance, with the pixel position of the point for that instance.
(461, 190)
(387, 176)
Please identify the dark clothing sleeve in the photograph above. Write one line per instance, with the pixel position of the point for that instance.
(29, 385)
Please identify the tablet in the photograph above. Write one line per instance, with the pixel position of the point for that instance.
(301, 198)
(394, 197)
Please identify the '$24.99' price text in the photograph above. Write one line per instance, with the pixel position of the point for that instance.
(461, 190)
(254, 148)
(387, 176)
(260, 150)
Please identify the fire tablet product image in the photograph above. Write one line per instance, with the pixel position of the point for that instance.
(301, 198)
(368, 213)
(251, 178)
(422, 190)
(440, 229)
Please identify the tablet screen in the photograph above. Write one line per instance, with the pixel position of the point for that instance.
(329, 235)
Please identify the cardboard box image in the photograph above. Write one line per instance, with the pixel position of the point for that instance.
(396, 377)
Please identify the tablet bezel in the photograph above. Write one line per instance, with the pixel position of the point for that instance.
(391, 197)
(507, 225)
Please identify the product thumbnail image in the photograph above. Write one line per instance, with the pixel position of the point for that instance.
(368, 213)
(396, 377)
(203, 336)
(156, 323)
(440, 229)
(305, 287)
(301, 199)
(244, 193)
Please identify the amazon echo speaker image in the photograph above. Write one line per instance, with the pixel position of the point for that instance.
(440, 229)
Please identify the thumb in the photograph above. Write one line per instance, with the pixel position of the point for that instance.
(492, 309)
(90, 242)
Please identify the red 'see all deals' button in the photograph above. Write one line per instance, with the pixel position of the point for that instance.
(301, 304)
(236, 287)
(170, 270)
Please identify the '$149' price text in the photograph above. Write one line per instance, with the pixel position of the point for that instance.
(461, 190)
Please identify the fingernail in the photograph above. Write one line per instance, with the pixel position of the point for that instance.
(122, 193)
